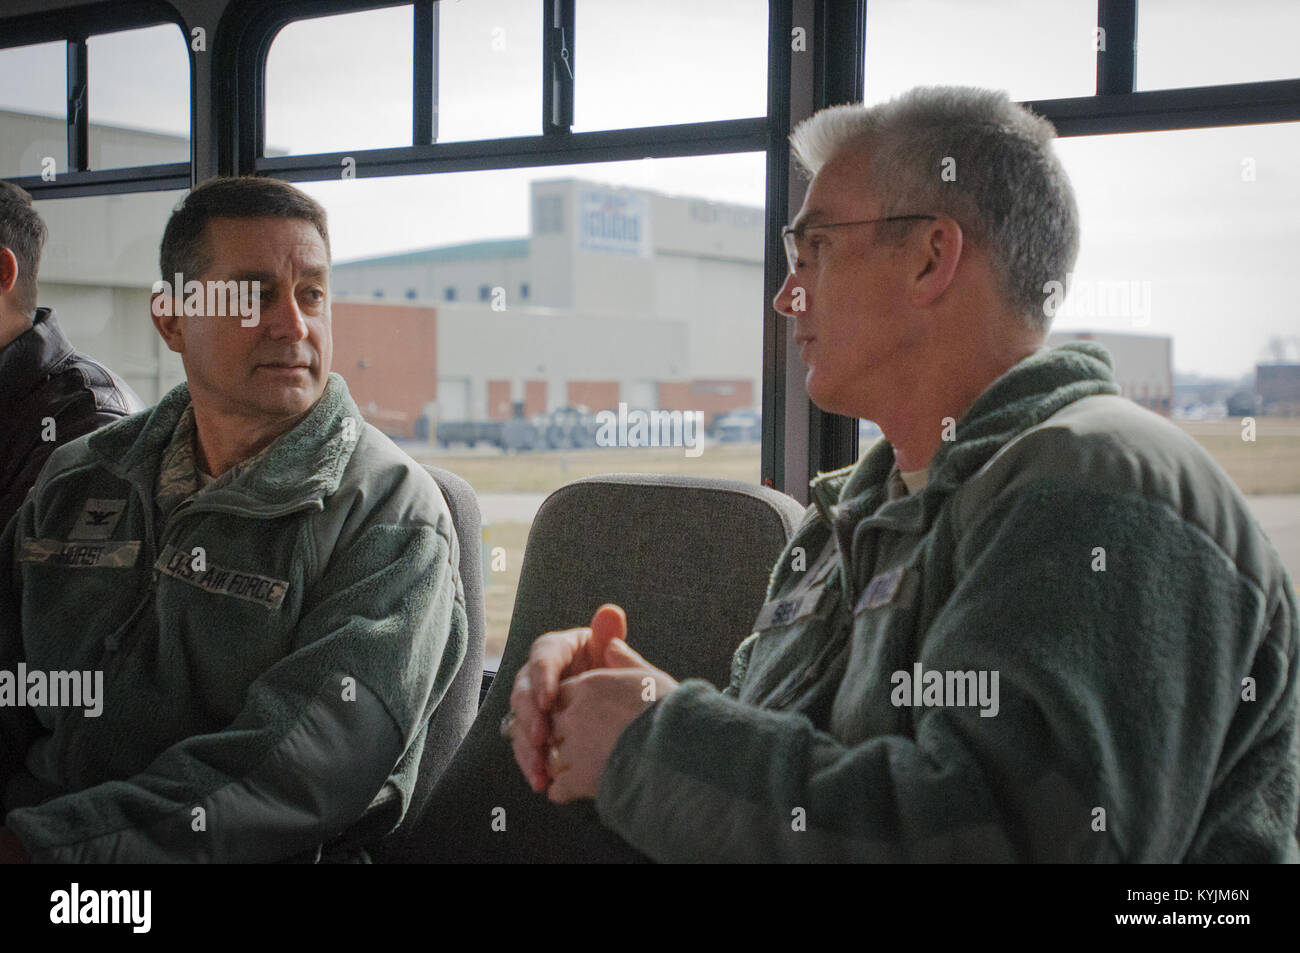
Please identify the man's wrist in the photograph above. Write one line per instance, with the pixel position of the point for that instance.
(627, 746)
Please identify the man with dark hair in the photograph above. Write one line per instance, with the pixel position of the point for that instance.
(49, 393)
(276, 605)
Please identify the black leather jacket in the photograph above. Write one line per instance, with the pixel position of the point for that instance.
(42, 375)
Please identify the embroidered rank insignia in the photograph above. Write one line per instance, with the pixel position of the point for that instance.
(98, 519)
(881, 590)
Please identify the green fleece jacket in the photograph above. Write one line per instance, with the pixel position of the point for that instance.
(1074, 644)
(270, 652)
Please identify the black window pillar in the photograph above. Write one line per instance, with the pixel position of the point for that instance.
(1116, 50)
(558, 67)
(78, 107)
(424, 104)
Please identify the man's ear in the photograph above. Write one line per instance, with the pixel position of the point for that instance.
(165, 311)
(8, 270)
(937, 260)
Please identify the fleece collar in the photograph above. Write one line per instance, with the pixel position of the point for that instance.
(1023, 397)
(302, 465)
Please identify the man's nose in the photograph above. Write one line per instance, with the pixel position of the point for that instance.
(284, 319)
(784, 302)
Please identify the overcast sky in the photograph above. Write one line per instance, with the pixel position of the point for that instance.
(1206, 222)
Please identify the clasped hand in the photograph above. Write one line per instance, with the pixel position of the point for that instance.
(578, 691)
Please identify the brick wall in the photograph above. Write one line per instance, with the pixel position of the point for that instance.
(498, 398)
(594, 395)
(710, 396)
(388, 356)
(534, 398)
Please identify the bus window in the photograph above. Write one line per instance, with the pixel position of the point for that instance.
(671, 62)
(488, 71)
(139, 97)
(1032, 50)
(33, 110)
(1179, 277)
(340, 82)
(637, 348)
(1201, 43)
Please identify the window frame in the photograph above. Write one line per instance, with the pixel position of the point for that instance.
(556, 145)
(253, 26)
(74, 29)
(227, 119)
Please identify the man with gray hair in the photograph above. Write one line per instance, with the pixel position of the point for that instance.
(1035, 622)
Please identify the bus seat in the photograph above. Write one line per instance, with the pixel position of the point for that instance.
(454, 715)
(688, 558)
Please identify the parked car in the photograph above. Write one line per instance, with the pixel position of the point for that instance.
(563, 428)
(738, 426)
(567, 427)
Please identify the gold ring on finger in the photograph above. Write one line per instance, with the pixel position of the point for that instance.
(553, 758)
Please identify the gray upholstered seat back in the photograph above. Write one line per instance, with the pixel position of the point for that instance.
(688, 558)
(455, 714)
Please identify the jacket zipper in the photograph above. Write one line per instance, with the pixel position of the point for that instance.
(113, 643)
(113, 660)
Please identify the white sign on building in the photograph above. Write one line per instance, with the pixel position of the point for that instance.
(613, 223)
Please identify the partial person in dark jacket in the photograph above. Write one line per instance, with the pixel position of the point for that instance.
(49, 393)
(1035, 622)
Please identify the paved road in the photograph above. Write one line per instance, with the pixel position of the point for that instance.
(1279, 515)
(510, 507)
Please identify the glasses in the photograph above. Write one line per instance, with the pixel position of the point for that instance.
(792, 236)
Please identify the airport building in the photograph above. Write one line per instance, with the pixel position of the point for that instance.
(615, 295)
(1278, 386)
(1144, 364)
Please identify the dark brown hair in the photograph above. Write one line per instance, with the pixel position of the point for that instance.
(23, 233)
(246, 196)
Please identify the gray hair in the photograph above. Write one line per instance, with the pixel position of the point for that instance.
(1004, 182)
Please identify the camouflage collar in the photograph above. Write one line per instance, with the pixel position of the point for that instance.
(305, 463)
(178, 475)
